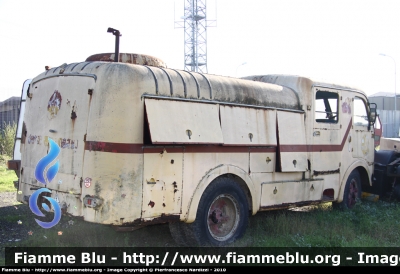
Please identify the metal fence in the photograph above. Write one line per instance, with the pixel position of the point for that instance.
(390, 130)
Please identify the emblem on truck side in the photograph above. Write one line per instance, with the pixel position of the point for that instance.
(88, 181)
(54, 104)
(346, 106)
(45, 174)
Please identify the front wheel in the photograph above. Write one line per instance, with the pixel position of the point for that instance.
(222, 215)
(352, 191)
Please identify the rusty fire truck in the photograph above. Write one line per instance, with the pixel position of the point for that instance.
(142, 144)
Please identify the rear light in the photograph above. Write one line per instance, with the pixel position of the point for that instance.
(91, 201)
(13, 165)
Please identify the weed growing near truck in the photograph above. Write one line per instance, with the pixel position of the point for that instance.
(7, 177)
(7, 136)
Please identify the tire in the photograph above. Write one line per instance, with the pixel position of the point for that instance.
(222, 215)
(352, 191)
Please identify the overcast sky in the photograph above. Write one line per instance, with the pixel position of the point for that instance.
(332, 40)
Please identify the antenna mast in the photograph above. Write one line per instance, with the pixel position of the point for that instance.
(195, 28)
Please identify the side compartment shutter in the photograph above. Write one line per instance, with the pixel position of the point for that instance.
(292, 141)
(248, 126)
(178, 122)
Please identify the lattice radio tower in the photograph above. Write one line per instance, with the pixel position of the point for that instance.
(195, 25)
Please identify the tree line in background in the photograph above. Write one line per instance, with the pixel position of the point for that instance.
(7, 137)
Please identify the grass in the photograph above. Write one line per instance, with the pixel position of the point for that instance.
(369, 224)
(7, 177)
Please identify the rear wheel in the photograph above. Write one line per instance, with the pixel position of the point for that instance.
(222, 216)
(352, 191)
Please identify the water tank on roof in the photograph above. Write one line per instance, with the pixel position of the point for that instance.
(131, 58)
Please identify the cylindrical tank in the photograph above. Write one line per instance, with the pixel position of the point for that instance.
(130, 58)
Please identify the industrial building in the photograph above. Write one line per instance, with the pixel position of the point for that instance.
(387, 110)
(9, 111)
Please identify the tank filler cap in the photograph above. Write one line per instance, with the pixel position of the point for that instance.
(130, 58)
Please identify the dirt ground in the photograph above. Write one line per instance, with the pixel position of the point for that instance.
(8, 199)
(11, 231)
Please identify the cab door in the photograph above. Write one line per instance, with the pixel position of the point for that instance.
(363, 135)
(326, 132)
(326, 137)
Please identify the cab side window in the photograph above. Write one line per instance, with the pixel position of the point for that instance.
(326, 107)
(360, 115)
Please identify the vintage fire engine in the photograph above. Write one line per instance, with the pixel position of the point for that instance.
(139, 143)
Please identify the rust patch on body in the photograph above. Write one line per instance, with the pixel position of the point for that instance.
(54, 104)
(326, 172)
(151, 203)
(140, 223)
(289, 205)
(73, 115)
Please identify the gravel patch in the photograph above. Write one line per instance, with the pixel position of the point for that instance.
(12, 228)
(13, 232)
(8, 199)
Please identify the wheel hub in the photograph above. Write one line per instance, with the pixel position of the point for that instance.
(223, 217)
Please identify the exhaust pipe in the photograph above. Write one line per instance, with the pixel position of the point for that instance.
(117, 35)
